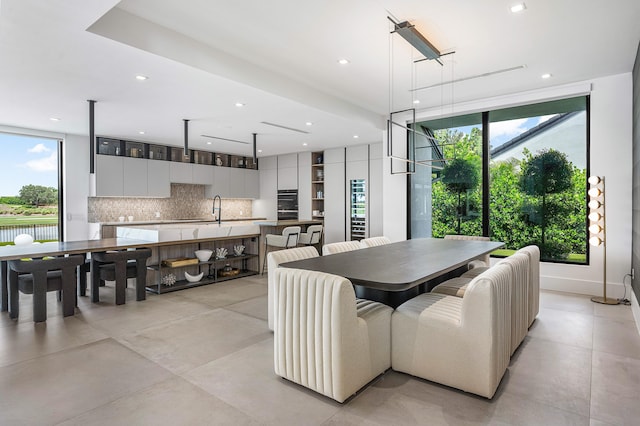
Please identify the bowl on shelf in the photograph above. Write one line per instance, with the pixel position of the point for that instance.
(203, 255)
(193, 278)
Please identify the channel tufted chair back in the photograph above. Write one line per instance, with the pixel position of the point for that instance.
(274, 259)
(534, 280)
(324, 339)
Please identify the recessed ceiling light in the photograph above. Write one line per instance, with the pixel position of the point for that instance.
(343, 61)
(416, 101)
(308, 123)
(259, 150)
(141, 77)
(356, 136)
(545, 76)
(304, 144)
(54, 119)
(141, 132)
(239, 104)
(517, 8)
(208, 143)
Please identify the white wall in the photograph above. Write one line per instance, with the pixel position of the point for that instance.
(611, 153)
(75, 165)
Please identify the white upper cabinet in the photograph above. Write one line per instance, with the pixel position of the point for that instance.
(202, 174)
(181, 172)
(251, 184)
(158, 184)
(109, 176)
(288, 171)
(135, 177)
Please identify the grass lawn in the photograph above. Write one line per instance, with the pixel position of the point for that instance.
(28, 220)
(572, 258)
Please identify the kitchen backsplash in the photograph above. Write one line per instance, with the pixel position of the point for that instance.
(186, 202)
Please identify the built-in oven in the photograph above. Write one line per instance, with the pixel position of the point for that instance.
(287, 204)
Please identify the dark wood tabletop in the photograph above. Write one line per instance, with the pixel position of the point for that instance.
(399, 266)
(58, 248)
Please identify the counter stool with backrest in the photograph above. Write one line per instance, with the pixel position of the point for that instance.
(37, 277)
(118, 266)
(288, 239)
(312, 236)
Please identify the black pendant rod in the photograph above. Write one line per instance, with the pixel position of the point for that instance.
(92, 136)
(255, 155)
(186, 137)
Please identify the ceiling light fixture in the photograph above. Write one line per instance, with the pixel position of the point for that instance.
(545, 76)
(308, 123)
(141, 132)
(416, 101)
(239, 104)
(356, 136)
(304, 144)
(141, 77)
(517, 8)
(54, 119)
(259, 150)
(409, 32)
(208, 143)
(343, 61)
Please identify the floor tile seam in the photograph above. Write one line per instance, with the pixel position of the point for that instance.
(554, 406)
(133, 348)
(564, 311)
(117, 398)
(561, 343)
(625, 357)
(68, 348)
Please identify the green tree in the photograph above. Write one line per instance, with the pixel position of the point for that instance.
(37, 195)
(543, 178)
(460, 176)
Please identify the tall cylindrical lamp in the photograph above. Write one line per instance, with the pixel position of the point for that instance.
(598, 231)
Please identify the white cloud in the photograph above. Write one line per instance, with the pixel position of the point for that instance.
(508, 129)
(544, 118)
(47, 164)
(39, 148)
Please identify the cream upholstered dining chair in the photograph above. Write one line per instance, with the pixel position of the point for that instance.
(534, 280)
(340, 247)
(473, 335)
(312, 236)
(484, 261)
(274, 259)
(325, 339)
(374, 242)
(288, 239)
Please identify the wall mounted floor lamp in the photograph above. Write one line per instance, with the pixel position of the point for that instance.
(598, 231)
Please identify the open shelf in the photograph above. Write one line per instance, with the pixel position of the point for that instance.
(183, 284)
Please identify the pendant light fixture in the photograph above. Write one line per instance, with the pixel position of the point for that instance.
(186, 137)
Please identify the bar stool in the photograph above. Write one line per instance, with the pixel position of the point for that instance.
(38, 276)
(288, 239)
(312, 236)
(118, 266)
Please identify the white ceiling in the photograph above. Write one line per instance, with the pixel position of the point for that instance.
(279, 58)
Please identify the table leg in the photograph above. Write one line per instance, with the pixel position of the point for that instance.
(121, 281)
(68, 291)
(95, 281)
(14, 303)
(141, 279)
(4, 284)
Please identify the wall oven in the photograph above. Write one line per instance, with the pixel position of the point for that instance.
(288, 204)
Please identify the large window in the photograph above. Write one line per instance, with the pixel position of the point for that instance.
(29, 197)
(536, 160)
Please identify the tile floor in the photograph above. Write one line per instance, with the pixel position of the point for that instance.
(204, 356)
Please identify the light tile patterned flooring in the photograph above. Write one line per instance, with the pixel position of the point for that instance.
(205, 356)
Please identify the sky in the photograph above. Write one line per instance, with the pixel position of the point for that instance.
(27, 160)
(503, 131)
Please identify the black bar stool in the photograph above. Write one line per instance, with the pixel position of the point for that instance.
(37, 277)
(118, 266)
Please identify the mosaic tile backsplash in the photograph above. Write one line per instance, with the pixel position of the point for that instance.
(186, 202)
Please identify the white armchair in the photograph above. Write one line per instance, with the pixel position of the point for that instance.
(274, 259)
(534, 281)
(341, 247)
(312, 236)
(459, 342)
(324, 339)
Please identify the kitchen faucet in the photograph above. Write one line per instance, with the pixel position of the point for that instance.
(219, 208)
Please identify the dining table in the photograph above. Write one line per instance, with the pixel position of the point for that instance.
(394, 273)
(58, 248)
